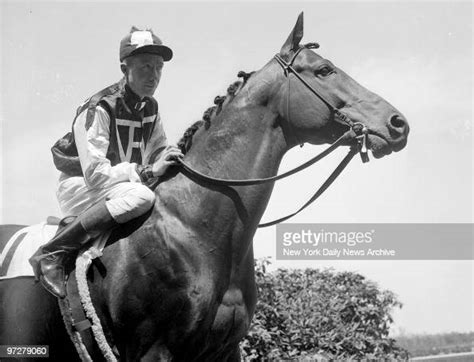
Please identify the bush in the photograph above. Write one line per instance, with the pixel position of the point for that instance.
(312, 312)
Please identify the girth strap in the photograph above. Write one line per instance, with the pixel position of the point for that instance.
(80, 322)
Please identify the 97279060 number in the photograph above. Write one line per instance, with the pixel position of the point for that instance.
(23, 351)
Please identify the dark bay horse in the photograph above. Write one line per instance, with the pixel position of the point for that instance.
(182, 286)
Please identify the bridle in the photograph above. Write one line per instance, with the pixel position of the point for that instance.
(357, 131)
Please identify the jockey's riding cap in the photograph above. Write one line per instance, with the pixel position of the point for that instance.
(143, 41)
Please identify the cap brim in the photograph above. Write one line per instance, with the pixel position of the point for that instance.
(161, 50)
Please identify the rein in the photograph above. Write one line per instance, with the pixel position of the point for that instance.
(357, 131)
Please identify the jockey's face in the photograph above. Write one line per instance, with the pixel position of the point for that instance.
(143, 73)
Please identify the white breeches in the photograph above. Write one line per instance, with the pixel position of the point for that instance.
(125, 200)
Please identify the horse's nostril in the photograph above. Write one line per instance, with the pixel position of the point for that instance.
(397, 122)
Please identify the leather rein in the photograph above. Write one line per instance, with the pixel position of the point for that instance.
(357, 131)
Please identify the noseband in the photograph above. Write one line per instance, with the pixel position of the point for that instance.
(357, 131)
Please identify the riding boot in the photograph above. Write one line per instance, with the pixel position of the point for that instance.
(51, 260)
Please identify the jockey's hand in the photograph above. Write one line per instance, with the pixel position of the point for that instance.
(168, 157)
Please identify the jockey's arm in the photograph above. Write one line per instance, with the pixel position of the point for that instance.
(158, 154)
(92, 145)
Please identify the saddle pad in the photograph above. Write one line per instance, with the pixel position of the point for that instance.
(21, 246)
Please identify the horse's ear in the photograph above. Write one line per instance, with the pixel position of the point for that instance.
(293, 41)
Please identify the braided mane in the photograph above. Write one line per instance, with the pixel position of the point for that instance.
(185, 142)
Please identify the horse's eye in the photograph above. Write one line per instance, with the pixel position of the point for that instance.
(324, 71)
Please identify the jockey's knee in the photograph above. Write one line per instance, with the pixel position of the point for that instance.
(142, 199)
(136, 201)
(145, 198)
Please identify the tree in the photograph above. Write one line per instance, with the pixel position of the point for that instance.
(307, 312)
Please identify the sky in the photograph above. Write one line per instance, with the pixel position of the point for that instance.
(417, 55)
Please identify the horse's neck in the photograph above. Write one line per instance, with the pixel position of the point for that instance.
(244, 141)
(244, 144)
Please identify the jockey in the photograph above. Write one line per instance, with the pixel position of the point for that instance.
(113, 150)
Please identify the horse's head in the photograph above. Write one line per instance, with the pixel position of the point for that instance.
(314, 112)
